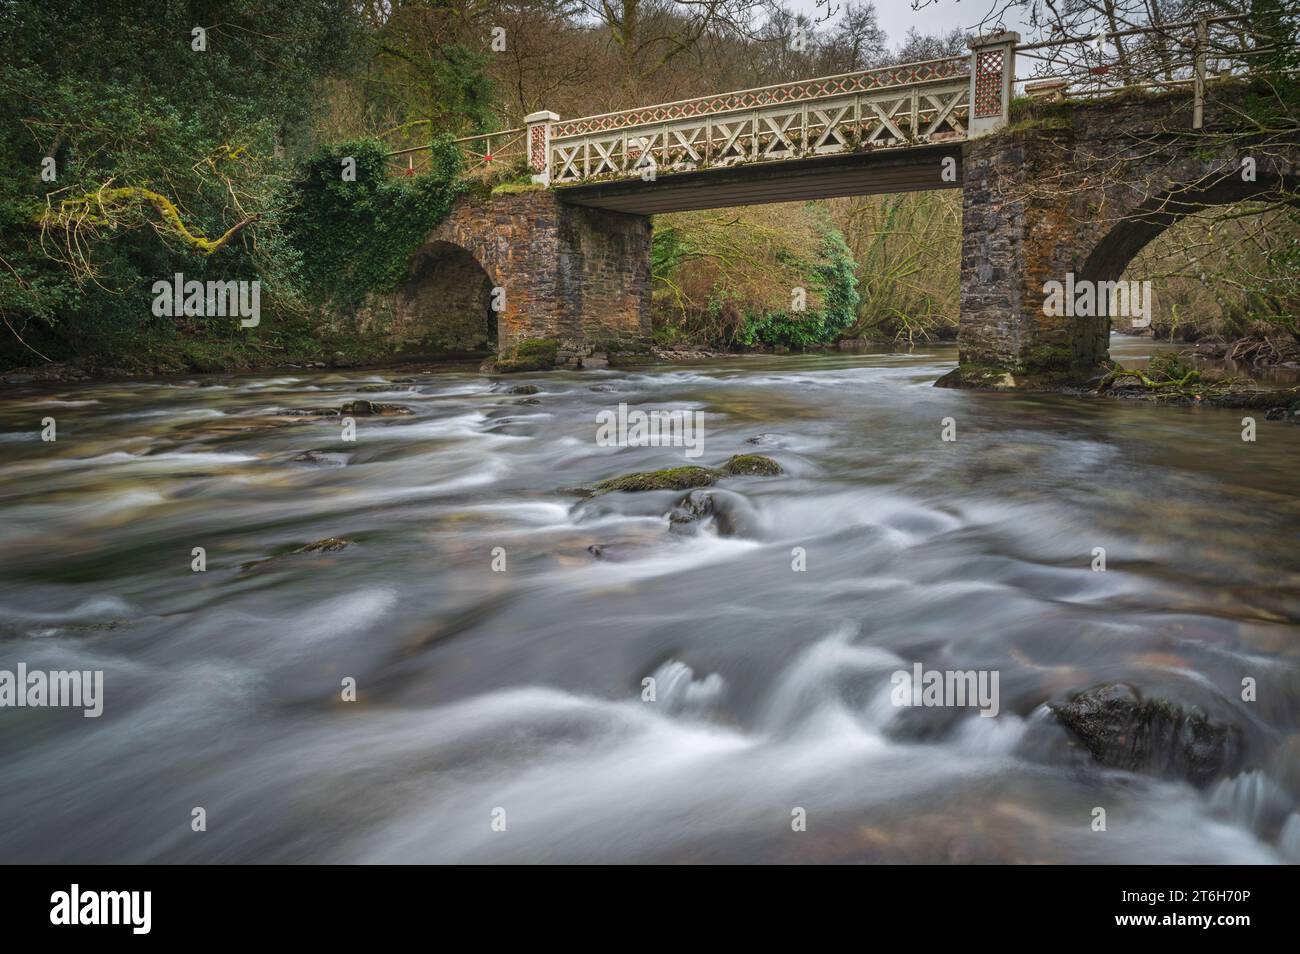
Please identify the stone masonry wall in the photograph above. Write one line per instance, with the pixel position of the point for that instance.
(1081, 189)
(575, 274)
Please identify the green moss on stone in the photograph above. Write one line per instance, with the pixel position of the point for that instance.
(1047, 359)
(752, 465)
(688, 478)
(515, 188)
(673, 478)
(537, 354)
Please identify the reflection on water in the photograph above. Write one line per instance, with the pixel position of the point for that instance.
(522, 690)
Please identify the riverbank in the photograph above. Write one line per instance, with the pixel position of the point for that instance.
(304, 353)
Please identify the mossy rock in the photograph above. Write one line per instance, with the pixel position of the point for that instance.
(977, 377)
(672, 478)
(537, 354)
(328, 545)
(372, 408)
(688, 478)
(752, 465)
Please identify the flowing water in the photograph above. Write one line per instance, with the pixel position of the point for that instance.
(513, 699)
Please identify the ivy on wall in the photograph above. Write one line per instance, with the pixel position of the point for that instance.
(356, 234)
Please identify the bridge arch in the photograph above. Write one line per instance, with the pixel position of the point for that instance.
(1119, 242)
(447, 297)
(1077, 195)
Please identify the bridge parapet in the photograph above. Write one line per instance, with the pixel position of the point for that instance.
(892, 107)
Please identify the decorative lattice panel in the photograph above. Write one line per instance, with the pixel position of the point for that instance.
(862, 82)
(537, 148)
(988, 83)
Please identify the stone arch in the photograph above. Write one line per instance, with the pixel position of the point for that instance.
(1079, 192)
(1119, 244)
(446, 299)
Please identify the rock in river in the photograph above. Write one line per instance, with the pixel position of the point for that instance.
(1122, 730)
(368, 408)
(730, 514)
(752, 465)
(686, 478)
(673, 478)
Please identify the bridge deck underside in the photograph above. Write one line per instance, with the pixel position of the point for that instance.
(914, 169)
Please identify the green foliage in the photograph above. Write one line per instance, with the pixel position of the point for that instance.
(112, 91)
(429, 70)
(834, 279)
(463, 90)
(668, 250)
(357, 237)
(1168, 366)
(727, 277)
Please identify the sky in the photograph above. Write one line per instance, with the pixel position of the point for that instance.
(895, 16)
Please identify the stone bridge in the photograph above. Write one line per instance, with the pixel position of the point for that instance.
(1049, 189)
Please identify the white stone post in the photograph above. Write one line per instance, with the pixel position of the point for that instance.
(539, 144)
(992, 78)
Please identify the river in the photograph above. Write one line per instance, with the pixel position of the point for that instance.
(500, 711)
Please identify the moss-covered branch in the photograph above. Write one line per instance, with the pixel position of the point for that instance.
(104, 207)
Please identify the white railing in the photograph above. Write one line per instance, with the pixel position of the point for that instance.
(891, 107)
(910, 104)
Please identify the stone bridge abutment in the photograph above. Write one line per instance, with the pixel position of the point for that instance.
(1076, 191)
(575, 275)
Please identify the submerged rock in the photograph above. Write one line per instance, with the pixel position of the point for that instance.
(728, 513)
(524, 389)
(752, 465)
(307, 412)
(328, 545)
(370, 408)
(380, 388)
(1122, 730)
(316, 457)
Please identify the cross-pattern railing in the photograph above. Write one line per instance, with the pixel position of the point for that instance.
(895, 106)
(892, 107)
